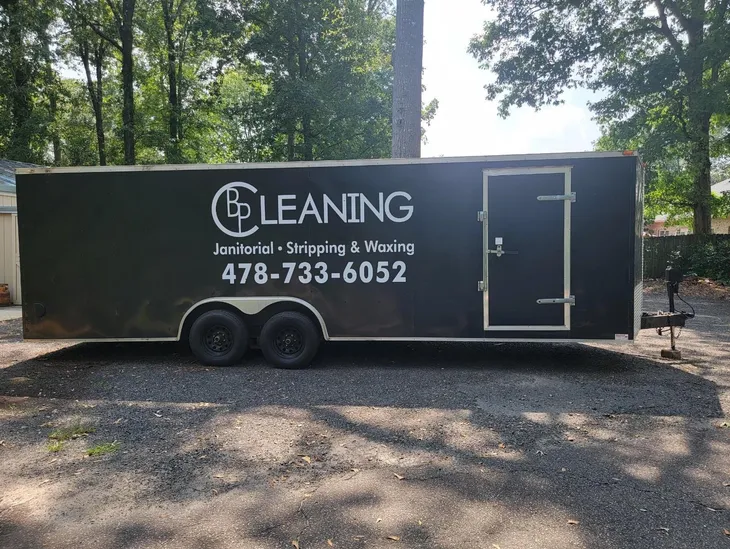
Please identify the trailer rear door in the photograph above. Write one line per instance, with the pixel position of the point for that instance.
(526, 249)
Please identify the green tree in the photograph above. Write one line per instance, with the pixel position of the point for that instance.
(326, 68)
(81, 43)
(27, 80)
(77, 130)
(114, 22)
(169, 28)
(195, 80)
(660, 64)
(184, 52)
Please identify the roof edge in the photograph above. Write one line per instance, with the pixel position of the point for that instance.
(325, 163)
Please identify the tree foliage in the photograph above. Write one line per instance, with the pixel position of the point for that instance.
(660, 65)
(174, 81)
(27, 86)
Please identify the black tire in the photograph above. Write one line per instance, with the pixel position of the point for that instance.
(218, 338)
(289, 340)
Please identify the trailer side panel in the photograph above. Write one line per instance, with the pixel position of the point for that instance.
(381, 251)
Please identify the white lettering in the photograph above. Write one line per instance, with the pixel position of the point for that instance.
(245, 249)
(310, 208)
(265, 221)
(365, 202)
(349, 207)
(315, 250)
(375, 246)
(407, 209)
(353, 209)
(342, 214)
(283, 208)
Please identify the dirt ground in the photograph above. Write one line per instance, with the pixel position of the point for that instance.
(509, 446)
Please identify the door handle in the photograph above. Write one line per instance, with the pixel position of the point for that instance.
(499, 252)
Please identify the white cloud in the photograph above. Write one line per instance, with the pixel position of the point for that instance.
(466, 123)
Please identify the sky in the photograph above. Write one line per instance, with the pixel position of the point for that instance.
(466, 123)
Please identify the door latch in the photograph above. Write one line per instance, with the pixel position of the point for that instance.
(499, 252)
(556, 300)
(570, 196)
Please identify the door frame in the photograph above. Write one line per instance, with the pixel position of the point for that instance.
(486, 174)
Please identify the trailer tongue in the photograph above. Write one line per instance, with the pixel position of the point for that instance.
(671, 319)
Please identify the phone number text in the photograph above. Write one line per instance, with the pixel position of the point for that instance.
(304, 272)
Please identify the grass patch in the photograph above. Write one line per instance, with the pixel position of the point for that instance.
(103, 448)
(55, 446)
(74, 431)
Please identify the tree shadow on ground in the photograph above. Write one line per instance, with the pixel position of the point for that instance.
(497, 445)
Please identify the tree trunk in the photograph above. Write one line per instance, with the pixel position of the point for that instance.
(55, 138)
(172, 152)
(698, 122)
(127, 39)
(99, 116)
(95, 94)
(124, 19)
(303, 70)
(408, 65)
(290, 135)
(292, 70)
(51, 83)
(699, 166)
(307, 136)
(21, 106)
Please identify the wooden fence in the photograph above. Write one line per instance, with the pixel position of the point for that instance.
(660, 250)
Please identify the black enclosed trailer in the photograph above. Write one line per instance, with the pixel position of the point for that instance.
(520, 248)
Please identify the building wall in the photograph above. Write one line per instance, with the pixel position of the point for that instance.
(659, 228)
(721, 226)
(9, 258)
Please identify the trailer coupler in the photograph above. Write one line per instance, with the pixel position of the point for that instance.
(663, 320)
(672, 319)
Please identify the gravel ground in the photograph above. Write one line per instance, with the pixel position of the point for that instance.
(378, 445)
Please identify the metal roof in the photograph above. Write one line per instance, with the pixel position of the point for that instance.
(329, 163)
(721, 187)
(7, 174)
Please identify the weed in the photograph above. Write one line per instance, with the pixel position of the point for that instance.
(103, 448)
(73, 431)
(55, 446)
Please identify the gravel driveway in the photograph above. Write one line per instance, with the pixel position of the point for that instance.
(378, 445)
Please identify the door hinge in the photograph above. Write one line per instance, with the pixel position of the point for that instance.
(554, 300)
(481, 286)
(545, 197)
(480, 216)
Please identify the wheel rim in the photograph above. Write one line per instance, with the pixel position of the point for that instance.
(289, 342)
(218, 339)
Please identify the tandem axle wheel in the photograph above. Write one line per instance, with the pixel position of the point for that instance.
(288, 339)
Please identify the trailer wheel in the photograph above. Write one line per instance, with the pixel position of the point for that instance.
(218, 338)
(289, 340)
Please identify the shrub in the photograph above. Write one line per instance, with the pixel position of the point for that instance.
(710, 259)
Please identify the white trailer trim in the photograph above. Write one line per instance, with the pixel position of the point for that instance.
(328, 163)
(252, 306)
(485, 340)
(355, 339)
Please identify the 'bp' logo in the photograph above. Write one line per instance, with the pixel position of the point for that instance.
(234, 215)
(229, 201)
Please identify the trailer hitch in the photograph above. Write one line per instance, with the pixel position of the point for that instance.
(672, 319)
